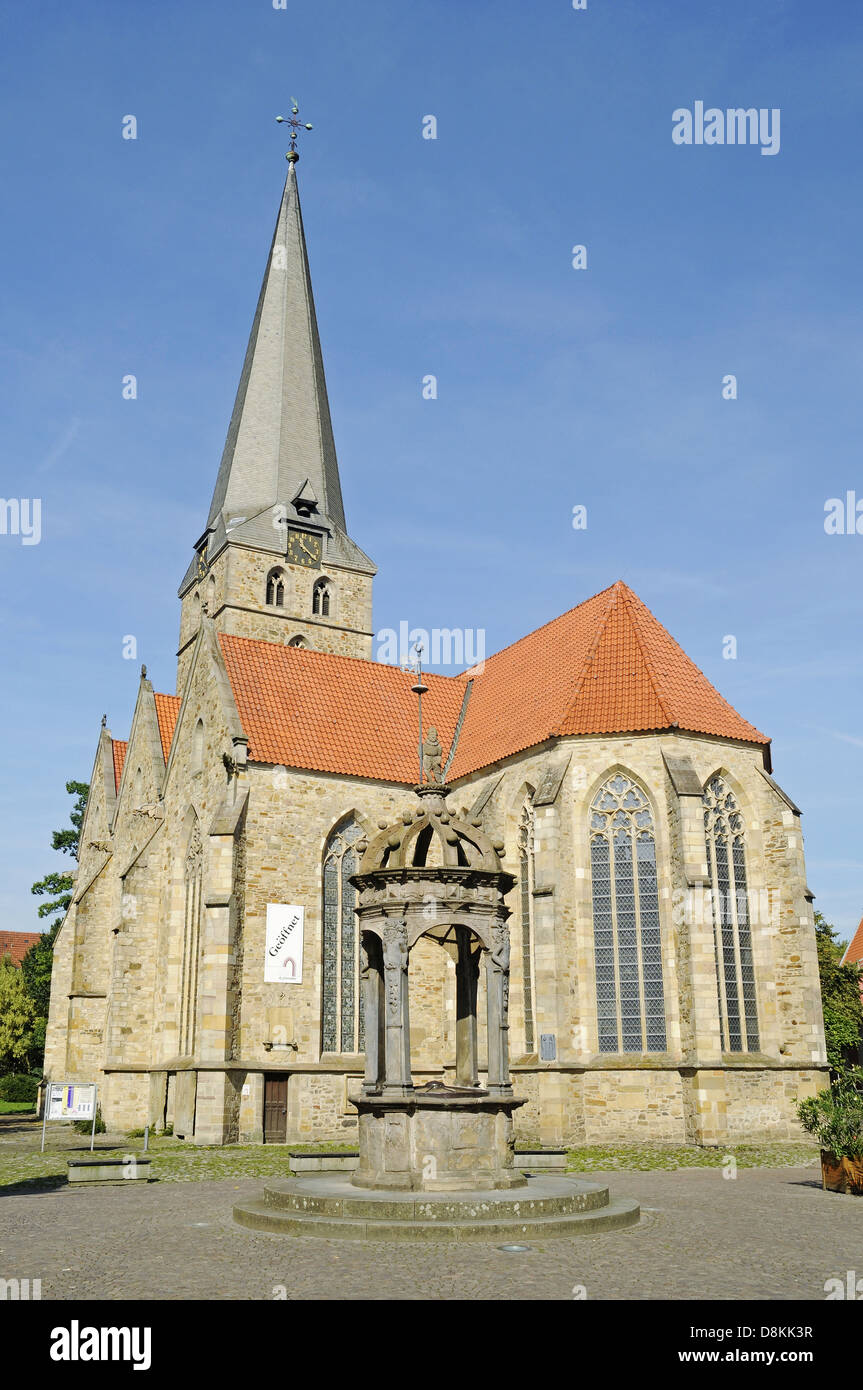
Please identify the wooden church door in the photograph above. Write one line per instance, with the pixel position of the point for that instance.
(275, 1109)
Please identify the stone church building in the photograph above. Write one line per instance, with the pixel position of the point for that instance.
(664, 983)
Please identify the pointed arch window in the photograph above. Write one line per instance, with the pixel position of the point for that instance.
(630, 1000)
(321, 598)
(276, 588)
(342, 1023)
(192, 880)
(732, 933)
(198, 746)
(527, 884)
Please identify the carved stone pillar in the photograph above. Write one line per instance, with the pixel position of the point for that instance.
(467, 975)
(372, 980)
(497, 989)
(397, 1043)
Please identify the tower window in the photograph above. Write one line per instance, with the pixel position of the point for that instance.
(276, 588)
(298, 641)
(321, 598)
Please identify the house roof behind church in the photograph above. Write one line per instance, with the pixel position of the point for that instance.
(854, 951)
(607, 666)
(16, 944)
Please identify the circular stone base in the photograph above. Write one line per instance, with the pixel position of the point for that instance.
(332, 1207)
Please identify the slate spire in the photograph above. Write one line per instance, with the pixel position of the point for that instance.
(280, 438)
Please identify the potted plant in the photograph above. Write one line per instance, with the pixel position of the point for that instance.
(835, 1117)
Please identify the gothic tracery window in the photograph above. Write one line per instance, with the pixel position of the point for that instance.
(192, 880)
(735, 972)
(342, 1024)
(321, 596)
(276, 588)
(527, 883)
(630, 1000)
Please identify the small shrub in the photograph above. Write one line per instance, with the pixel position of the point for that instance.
(835, 1116)
(135, 1133)
(17, 1086)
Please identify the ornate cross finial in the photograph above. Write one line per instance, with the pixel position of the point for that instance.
(420, 689)
(295, 125)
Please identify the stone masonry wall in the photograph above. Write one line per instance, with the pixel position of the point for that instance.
(235, 591)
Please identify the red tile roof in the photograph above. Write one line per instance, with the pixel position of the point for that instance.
(17, 943)
(167, 710)
(607, 666)
(854, 952)
(118, 748)
(303, 708)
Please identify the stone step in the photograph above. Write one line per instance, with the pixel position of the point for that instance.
(337, 1198)
(260, 1216)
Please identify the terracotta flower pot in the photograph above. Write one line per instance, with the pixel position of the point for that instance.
(842, 1174)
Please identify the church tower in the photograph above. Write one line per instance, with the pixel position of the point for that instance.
(275, 561)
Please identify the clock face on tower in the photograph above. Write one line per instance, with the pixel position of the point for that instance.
(304, 548)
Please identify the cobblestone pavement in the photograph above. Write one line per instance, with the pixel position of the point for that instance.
(768, 1234)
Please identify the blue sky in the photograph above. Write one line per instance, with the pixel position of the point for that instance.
(556, 387)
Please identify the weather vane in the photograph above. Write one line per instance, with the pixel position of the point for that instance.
(295, 125)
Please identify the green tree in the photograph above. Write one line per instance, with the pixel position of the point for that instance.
(17, 1017)
(840, 996)
(36, 969)
(38, 962)
(58, 886)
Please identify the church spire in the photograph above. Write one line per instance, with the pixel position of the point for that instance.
(280, 438)
(275, 562)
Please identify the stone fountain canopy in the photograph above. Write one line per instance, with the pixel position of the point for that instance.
(433, 870)
(434, 874)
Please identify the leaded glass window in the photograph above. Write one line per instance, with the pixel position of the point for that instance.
(732, 934)
(630, 1000)
(527, 883)
(342, 1026)
(192, 881)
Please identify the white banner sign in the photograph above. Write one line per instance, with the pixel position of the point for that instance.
(283, 963)
(69, 1102)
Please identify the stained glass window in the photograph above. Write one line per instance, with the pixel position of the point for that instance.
(342, 1023)
(192, 878)
(735, 971)
(630, 1000)
(527, 883)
